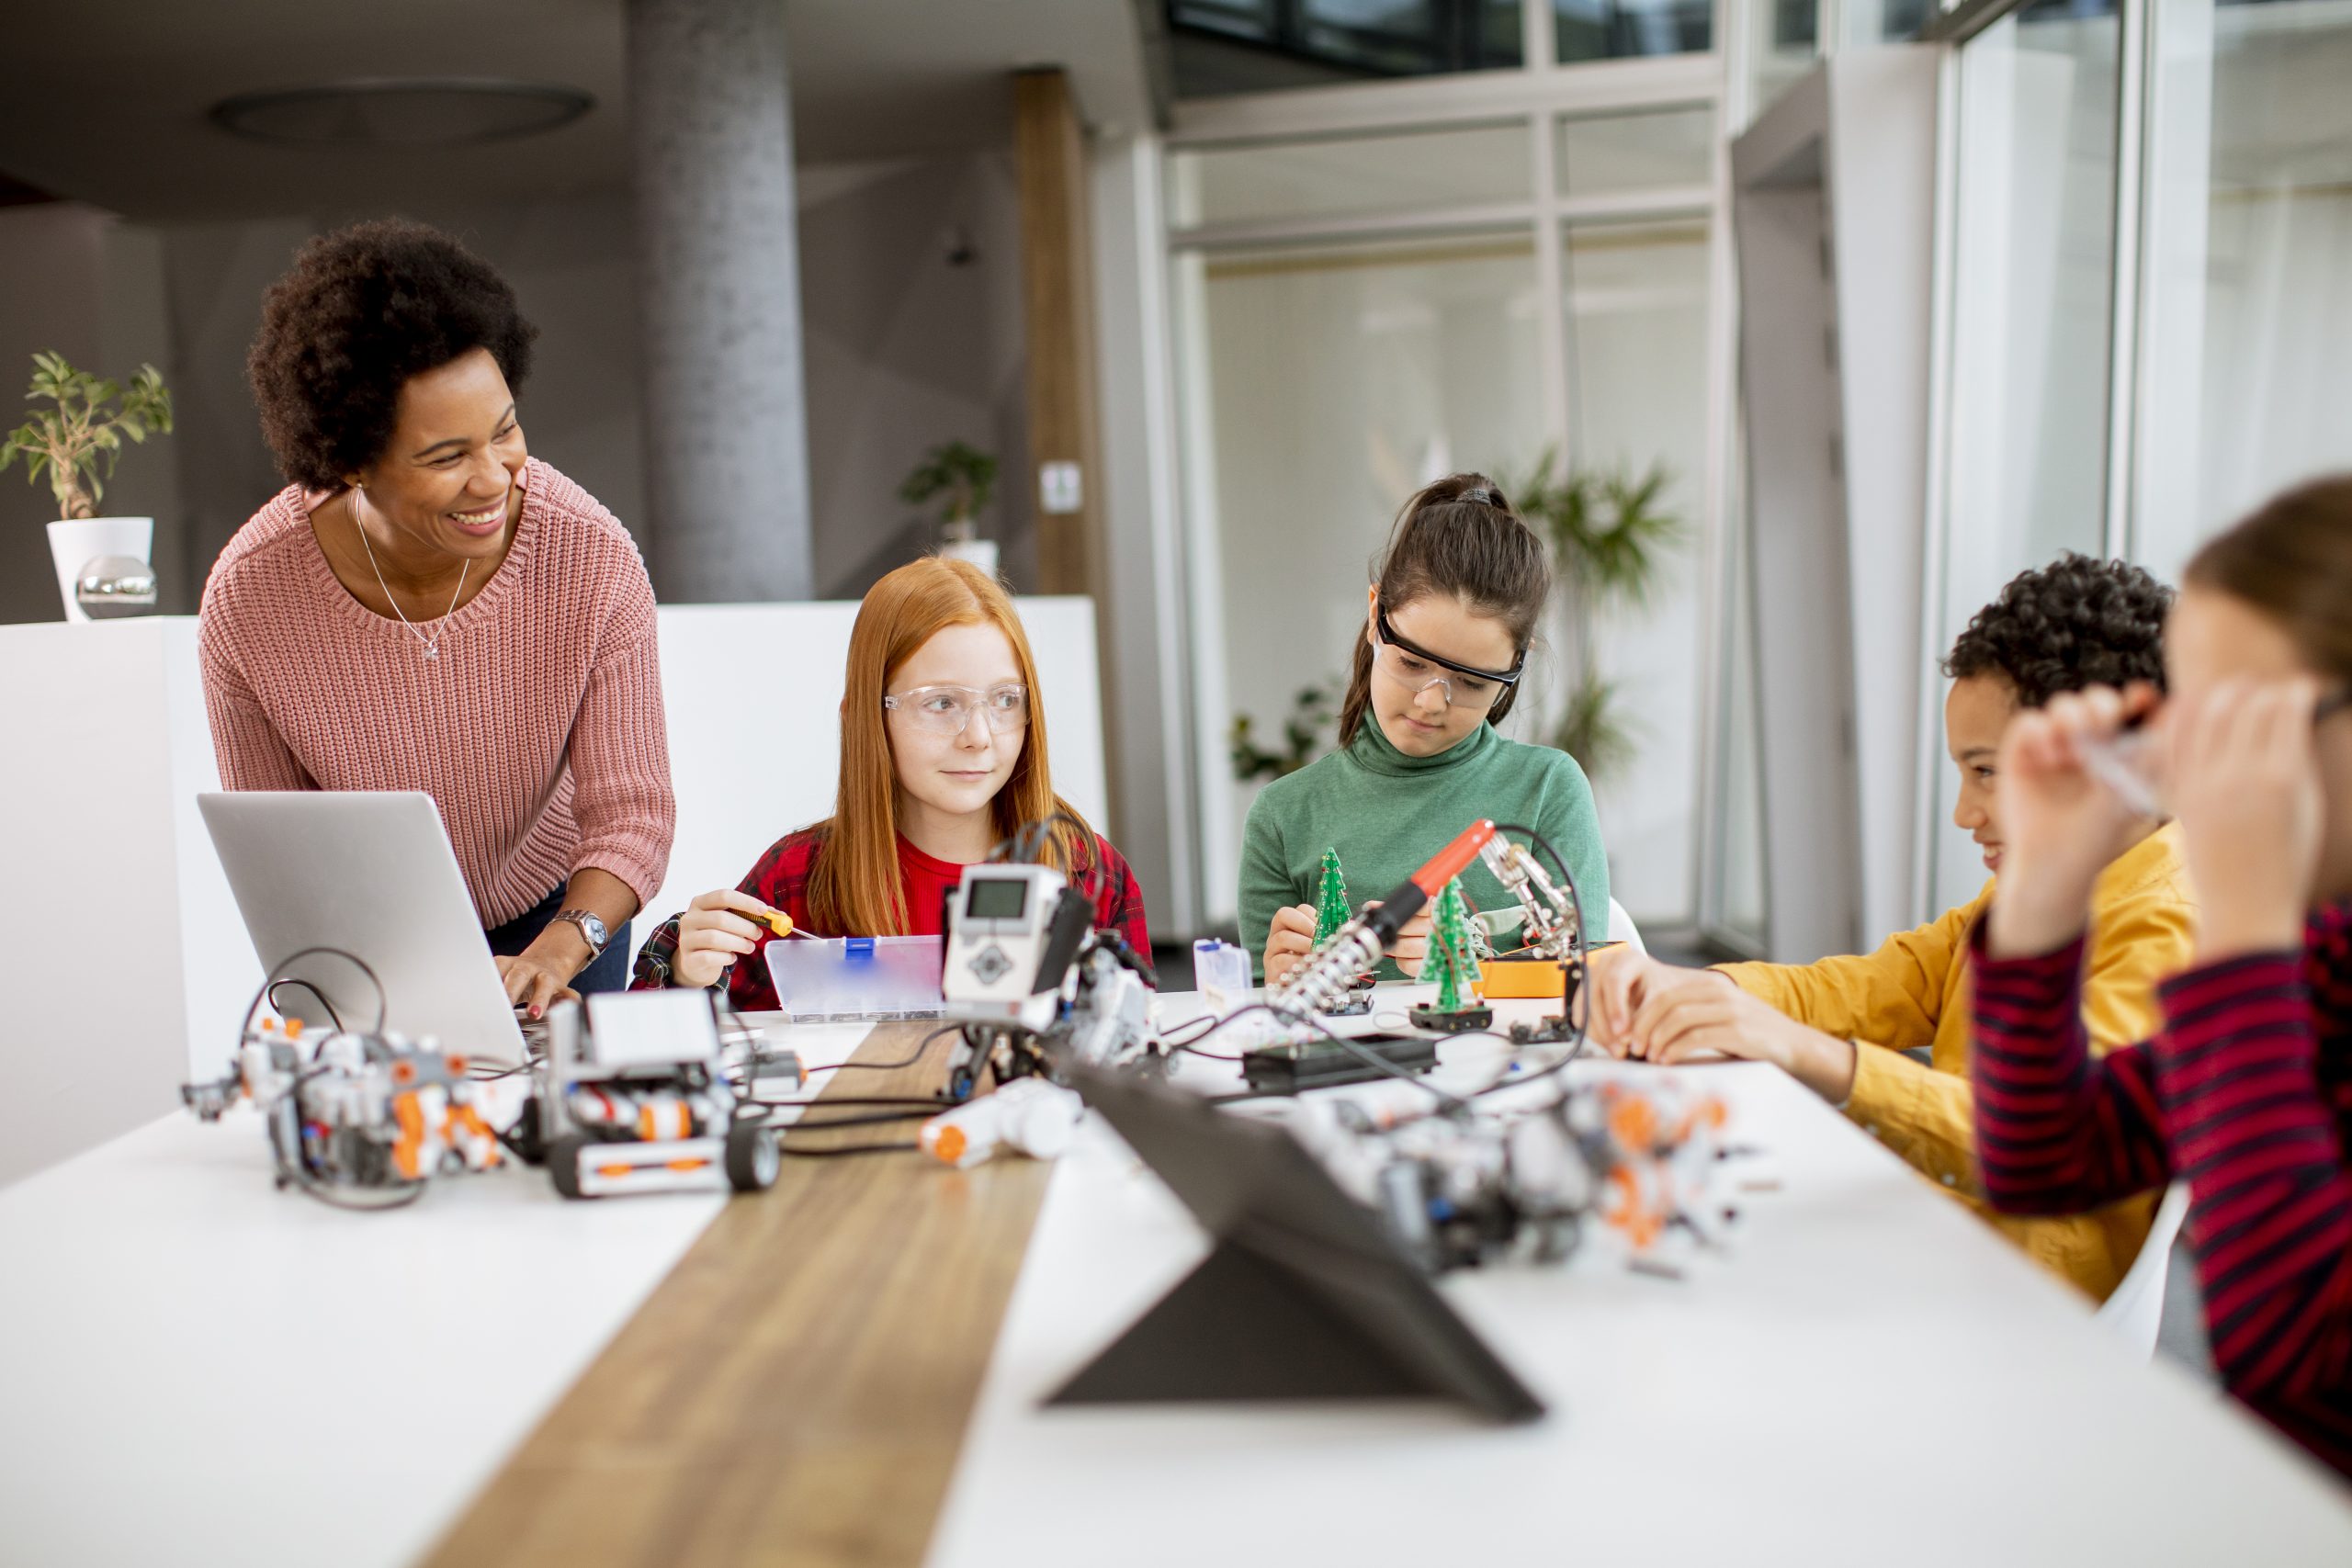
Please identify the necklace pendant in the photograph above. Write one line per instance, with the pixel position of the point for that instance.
(431, 651)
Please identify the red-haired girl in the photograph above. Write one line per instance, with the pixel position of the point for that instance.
(943, 758)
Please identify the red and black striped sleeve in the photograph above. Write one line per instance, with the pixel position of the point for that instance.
(2270, 1199)
(2058, 1130)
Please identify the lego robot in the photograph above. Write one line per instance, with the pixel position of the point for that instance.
(354, 1113)
(633, 1095)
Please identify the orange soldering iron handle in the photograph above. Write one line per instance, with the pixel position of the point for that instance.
(1449, 861)
(1422, 888)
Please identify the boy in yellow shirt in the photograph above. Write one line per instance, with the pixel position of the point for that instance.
(1842, 1026)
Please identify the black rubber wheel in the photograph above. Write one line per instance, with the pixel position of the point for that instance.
(753, 1156)
(563, 1164)
(528, 1138)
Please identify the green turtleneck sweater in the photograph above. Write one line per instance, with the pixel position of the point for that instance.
(1387, 813)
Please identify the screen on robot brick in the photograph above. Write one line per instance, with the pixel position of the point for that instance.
(997, 898)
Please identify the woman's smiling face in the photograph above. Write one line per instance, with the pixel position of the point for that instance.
(447, 481)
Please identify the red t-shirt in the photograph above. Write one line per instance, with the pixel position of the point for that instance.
(780, 880)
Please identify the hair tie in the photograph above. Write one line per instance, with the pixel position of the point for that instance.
(1484, 495)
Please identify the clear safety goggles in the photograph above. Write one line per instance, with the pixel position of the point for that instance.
(1416, 670)
(948, 710)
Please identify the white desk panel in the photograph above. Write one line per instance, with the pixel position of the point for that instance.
(106, 838)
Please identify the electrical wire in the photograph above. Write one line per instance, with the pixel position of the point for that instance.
(277, 977)
(921, 1051)
(1028, 843)
(271, 992)
(879, 1119)
(292, 1165)
(1370, 1058)
(852, 1149)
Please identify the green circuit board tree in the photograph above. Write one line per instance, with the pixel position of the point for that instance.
(1449, 953)
(1331, 909)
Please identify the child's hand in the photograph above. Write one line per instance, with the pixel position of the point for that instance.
(2245, 784)
(1618, 980)
(711, 935)
(2062, 824)
(1291, 939)
(1411, 948)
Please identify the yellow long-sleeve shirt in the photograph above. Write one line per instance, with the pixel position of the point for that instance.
(1913, 992)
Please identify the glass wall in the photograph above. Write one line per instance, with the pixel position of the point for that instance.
(1323, 377)
(1636, 304)
(1335, 380)
(1613, 29)
(1220, 47)
(2033, 303)
(2151, 275)
(1454, 166)
(2248, 253)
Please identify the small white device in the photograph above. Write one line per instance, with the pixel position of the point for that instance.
(1031, 1117)
(1007, 926)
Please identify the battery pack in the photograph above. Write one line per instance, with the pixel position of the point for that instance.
(1319, 1064)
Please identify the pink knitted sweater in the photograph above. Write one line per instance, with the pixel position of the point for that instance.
(537, 729)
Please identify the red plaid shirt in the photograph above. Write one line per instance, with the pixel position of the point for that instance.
(780, 880)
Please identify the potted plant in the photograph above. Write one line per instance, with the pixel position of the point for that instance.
(1610, 538)
(71, 443)
(967, 478)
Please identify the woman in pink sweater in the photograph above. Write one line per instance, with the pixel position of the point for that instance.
(425, 607)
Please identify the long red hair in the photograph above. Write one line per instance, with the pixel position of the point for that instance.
(853, 889)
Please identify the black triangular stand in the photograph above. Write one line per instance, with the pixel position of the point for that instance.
(1242, 1326)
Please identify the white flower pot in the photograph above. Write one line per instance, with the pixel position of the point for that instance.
(77, 541)
(981, 553)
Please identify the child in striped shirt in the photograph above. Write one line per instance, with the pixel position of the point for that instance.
(2246, 1091)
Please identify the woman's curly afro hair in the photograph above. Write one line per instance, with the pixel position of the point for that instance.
(364, 309)
(2074, 623)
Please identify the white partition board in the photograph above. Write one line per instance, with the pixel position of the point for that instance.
(753, 696)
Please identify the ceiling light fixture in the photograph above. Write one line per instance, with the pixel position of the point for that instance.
(419, 111)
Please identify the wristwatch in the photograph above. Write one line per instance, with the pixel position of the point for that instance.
(591, 927)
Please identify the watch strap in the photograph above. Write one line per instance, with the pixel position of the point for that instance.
(589, 924)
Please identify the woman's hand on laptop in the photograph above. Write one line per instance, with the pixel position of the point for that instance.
(536, 981)
(717, 929)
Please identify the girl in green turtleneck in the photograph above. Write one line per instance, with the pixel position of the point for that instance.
(1452, 611)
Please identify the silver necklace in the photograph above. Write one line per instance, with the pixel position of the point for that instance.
(431, 644)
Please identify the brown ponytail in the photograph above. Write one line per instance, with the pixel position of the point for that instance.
(1458, 537)
(2293, 560)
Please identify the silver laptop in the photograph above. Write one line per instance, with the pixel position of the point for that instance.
(372, 875)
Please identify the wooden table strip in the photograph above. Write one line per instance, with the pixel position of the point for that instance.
(797, 1391)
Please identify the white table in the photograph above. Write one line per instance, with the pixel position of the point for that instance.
(195, 1369)
(1871, 1376)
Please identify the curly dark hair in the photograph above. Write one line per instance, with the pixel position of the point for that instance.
(2077, 622)
(364, 309)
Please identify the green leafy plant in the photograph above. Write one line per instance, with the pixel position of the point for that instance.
(1611, 535)
(1312, 710)
(84, 433)
(965, 475)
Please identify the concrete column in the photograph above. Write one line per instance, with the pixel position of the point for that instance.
(718, 282)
